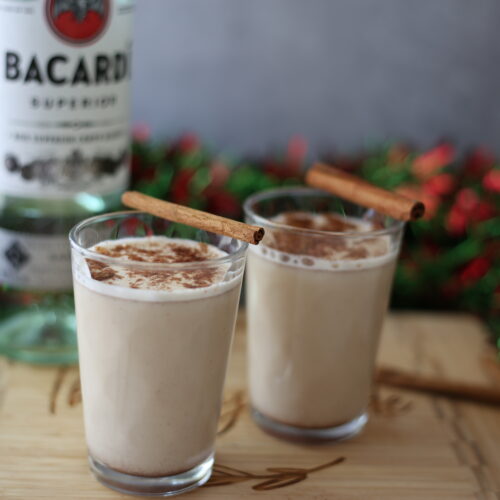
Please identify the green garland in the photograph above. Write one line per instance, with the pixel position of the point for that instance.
(450, 260)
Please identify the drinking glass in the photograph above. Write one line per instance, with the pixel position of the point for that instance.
(152, 360)
(316, 300)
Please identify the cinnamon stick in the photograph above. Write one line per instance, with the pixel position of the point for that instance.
(192, 217)
(455, 390)
(358, 191)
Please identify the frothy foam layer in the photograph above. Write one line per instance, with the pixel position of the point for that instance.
(325, 252)
(125, 280)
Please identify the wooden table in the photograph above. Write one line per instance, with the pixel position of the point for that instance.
(434, 449)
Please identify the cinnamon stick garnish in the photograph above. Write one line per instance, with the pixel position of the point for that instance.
(454, 390)
(358, 191)
(192, 217)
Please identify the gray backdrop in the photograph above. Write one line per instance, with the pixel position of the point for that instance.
(248, 74)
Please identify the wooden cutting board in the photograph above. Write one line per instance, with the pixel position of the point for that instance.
(415, 446)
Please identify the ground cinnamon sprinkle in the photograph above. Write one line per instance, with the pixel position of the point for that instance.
(165, 252)
(320, 246)
(327, 222)
(173, 253)
(199, 278)
(300, 220)
(335, 223)
(357, 253)
(100, 271)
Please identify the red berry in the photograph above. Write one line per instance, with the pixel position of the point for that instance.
(219, 173)
(180, 186)
(431, 161)
(483, 211)
(131, 225)
(440, 185)
(467, 200)
(474, 270)
(188, 142)
(456, 221)
(223, 203)
(297, 150)
(491, 181)
(141, 132)
(478, 162)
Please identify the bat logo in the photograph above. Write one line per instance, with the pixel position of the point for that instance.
(79, 8)
(77, 21)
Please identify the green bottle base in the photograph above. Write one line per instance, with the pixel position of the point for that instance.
(40, 336)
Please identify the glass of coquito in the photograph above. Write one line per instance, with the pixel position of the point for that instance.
(156, 305)
(317, 291)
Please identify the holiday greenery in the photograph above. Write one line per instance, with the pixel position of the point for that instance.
(449, 260)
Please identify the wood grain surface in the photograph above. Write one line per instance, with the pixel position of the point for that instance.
(415, 446)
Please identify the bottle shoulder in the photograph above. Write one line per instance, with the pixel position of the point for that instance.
(40, 215)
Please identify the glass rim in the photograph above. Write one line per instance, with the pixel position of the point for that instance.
(394, 228)
(157, 266)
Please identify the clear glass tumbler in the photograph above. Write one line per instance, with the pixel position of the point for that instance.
(153, 338)
(318, 286)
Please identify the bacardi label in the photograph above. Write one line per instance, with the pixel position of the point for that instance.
(64, 96)
(35, 262)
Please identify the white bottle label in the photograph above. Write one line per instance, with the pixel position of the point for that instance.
(64, 96)
(35, 262)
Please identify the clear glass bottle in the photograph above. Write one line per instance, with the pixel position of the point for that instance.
(64, 149)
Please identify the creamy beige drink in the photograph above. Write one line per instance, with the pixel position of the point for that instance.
(315, 308)
(153, 347)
